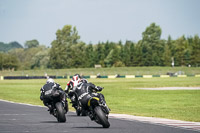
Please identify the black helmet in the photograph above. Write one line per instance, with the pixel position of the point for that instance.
(84, 81)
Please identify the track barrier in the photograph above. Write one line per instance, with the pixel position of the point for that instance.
(95, 76)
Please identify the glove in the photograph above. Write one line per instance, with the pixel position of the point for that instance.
(41, 98)
(99, 88)
(70, 93)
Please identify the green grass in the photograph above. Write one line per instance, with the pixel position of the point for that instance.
(122, 96)
(104, 71)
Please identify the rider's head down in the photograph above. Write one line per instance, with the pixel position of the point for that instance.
(50, 80)
(76, 77)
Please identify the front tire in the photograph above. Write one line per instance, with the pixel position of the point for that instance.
(101, 117)
(60, 112)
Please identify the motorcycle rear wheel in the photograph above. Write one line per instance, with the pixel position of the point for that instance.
(101, 117)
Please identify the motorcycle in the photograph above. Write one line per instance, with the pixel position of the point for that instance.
(58, 108)
(98, 112)
(75, 103)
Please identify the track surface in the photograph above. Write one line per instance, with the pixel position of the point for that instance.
(18, 118)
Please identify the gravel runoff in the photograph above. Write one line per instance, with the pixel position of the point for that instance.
(171, 88)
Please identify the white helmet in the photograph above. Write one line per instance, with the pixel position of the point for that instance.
(50, 80)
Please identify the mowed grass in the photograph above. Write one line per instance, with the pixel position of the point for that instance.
(123, 96)
(105, 71)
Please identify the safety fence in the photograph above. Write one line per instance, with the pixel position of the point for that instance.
(95, 76)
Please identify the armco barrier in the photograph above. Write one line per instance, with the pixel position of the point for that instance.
(197, 75)
(86, 77)
(155, 75)
(139, 76)
(94, 76)
(129, 76)
(164, 76)
(61, 77)
(182, 76)
(111, 76)
(147, 76)
(27, 77)
(102, 76)
(190, 75)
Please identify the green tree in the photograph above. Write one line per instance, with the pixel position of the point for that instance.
(152, 47)
(29, 58)
(89, 54)
(138, 55)
(100, 53)
(41, 59)
(180, 47)
(61, 52)
(126, 53)
(195, 54)
(31, 43)
(78, 57)
(167, 59)
(113, 57)
(8, 61)
(132, 55)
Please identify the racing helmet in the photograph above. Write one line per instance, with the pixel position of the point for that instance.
(84, 81)
(50, 80)
(76, 79)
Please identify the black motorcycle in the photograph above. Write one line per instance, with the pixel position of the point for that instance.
(98, 112)
(75, 103)
(58, 109)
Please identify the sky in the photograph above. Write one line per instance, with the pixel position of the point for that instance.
(96, 20)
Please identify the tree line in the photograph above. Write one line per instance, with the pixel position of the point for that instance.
(68, 51)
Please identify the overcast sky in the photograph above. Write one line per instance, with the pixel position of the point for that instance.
(96, 20)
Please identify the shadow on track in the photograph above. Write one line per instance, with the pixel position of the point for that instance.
(89, 127)
(72, 115)
(48, 122)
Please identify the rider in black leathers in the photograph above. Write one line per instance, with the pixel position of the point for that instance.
(71, 85)
(84, 90)
(50, 84)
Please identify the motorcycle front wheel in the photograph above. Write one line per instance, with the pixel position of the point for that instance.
(60, 112)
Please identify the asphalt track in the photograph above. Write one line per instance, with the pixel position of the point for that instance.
(19, 118)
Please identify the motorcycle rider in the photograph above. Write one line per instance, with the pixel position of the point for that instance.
(71, 85)
(87, 87)
(85, 91)
(50, 84)
(74, 81)
(83, 87)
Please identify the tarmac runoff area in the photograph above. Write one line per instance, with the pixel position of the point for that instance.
(170, 88)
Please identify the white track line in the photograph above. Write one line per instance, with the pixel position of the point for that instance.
(159, 121)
